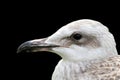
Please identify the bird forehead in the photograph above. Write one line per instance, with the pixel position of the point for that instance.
(69, 29)
(83, 26)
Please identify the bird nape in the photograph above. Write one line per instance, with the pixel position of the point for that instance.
(87, 48)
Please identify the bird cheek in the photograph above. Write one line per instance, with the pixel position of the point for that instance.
(61, 51)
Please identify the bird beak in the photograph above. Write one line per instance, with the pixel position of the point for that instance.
(35, 46)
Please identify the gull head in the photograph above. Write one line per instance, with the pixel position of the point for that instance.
(77, 41)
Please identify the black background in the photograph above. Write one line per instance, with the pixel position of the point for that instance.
(33, 20)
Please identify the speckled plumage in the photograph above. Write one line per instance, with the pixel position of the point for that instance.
(105, 69)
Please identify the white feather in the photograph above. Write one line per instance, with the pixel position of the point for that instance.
(81, 59)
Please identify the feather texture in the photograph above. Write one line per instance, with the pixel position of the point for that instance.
(105, 69)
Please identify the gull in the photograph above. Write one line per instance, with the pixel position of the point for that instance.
(87, 48)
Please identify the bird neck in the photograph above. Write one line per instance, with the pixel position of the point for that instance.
(70, 69)
(78, 66)
(84, 63)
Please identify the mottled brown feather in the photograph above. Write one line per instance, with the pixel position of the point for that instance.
(108, 69)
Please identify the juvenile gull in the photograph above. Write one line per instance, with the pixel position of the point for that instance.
(87, 48)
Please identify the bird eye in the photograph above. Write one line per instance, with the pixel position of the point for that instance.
(76, 36)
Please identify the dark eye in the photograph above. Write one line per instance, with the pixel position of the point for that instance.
(76, 36)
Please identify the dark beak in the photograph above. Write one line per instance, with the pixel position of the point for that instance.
(35, 46)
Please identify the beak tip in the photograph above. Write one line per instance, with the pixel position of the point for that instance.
(23, 47)
(18, 50)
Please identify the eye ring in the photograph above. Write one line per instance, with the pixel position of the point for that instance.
(76, 36)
